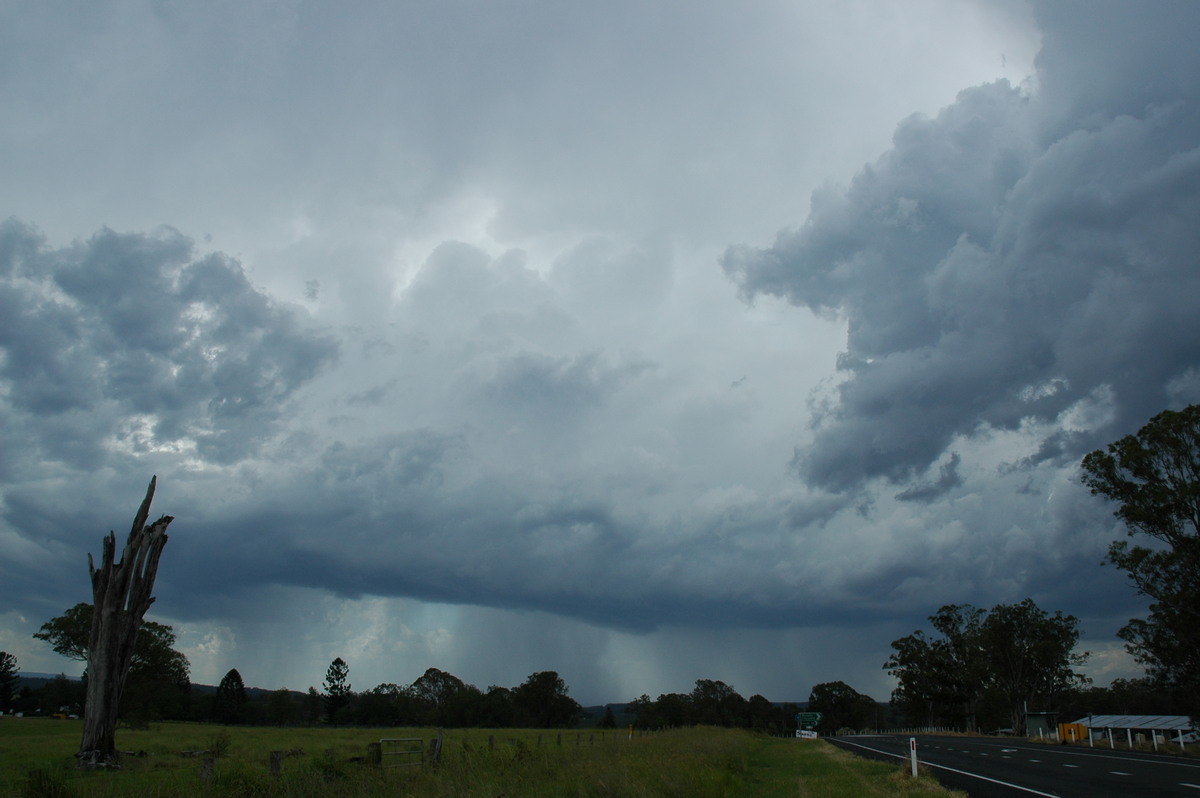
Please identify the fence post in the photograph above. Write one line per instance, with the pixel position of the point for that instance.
(491, 742)
(206, 769)
(276, 762)
(432, 755)
(558, 742)
(375, 753)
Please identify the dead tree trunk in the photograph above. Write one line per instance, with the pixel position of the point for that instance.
(121, 595)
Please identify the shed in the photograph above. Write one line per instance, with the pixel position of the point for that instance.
(1169, 726)
(1040, 724)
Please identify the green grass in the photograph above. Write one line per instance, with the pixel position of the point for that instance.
(35, 760)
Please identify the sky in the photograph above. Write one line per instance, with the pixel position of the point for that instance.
(645, 342)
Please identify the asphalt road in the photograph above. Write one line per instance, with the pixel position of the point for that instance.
(997, 767)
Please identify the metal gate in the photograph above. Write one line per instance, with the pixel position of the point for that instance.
(402, 752)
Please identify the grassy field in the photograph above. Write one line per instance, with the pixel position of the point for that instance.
(35, 760)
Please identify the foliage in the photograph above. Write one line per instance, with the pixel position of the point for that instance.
(542, 702)
(159, 679)
(8, 681)
(229, 704)
(941, 678)
(1154, 476)
(61, 694)
(1143, 696)
(717, 704)
(337, 689)
(841, 707)
(311, 706)
(442, 699)
(1015, 655)
(712, 702)
(280, 709)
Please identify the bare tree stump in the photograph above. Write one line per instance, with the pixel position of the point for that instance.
(206, 769)
(120, 595)
(275, 763)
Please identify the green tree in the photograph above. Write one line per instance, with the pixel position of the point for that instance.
(643, 710)
(841, 707)
(1021, 653)
(311, 706)
(229, 704)
(761, 714)
(434, 692)
(159, 680)
(940, 680)
(387, 705)
(281, 707)
(609, 721)
(918, 665)
(496, 708)
(1154, 477)
(717, 704)
(337, 689)
(543, 702)
(61, 694)
(1030, 655)
(8, 681)
(675, 710)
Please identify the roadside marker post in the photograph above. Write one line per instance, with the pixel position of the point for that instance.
(912, 745)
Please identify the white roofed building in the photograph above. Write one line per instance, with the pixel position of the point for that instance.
(1168, 726)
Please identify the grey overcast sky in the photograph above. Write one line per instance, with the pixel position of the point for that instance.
(641, 341)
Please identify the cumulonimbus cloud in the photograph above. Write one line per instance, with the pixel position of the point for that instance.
(1004, 261)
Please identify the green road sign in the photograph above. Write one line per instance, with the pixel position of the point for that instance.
(808, 717)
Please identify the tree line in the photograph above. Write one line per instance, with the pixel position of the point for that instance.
(977, 668)
(715, 703)
(159, 688)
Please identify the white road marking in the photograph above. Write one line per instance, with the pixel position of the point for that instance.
(956, 770)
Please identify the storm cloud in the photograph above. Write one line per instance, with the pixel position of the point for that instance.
(1016, 258)
(468, 346)
(156, 348)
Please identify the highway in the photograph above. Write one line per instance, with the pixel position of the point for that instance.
(998, 767)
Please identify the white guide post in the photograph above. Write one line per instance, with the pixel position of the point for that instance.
(912, 745)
